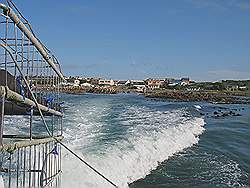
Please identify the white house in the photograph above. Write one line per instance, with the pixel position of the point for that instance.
(76, 83)
(106, 82)
(122, 83)
(155, 83)
(139, 84)
(242, 87)
(87, 85)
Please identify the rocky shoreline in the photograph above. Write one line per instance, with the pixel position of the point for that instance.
(202, 96)
(173, 95)
(100, 90)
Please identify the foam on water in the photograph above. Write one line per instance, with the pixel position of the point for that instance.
(152, 137)
(127, 146)
(225, 171)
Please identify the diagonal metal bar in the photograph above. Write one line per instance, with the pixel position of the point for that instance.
(11, 14)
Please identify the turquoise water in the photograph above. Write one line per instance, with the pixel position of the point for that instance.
(144, 143)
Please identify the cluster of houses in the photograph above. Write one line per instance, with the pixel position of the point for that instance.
(151, 84)
(136, 84)
(236, 88)
(236, 85)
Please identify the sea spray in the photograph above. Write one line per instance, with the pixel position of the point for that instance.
(151, 137)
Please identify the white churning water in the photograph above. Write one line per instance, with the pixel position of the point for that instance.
(138, 140)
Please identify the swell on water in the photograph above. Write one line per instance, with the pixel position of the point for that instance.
(151, 137)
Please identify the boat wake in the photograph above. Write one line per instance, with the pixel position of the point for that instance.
(125, 147)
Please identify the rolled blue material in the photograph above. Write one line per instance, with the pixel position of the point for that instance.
(22, 91)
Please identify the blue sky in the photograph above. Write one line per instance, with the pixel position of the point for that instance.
(121, 39)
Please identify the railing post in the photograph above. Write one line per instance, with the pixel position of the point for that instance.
(2, 96)
(31, 121)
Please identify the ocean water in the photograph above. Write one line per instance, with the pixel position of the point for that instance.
(138, 142)
(143, 143)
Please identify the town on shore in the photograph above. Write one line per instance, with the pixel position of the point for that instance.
(183, 89)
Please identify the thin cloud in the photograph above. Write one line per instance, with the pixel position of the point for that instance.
(212, 4)
(228, 74)
(244, 6)
(221, 5)
(93, 66)
(71, 67)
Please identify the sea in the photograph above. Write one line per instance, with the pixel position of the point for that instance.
(138, 142)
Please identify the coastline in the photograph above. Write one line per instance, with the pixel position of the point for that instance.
(200, 96)
(211, 96)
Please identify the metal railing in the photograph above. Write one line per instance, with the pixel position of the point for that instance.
(30, 86)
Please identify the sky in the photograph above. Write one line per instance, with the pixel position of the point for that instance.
(206, 40)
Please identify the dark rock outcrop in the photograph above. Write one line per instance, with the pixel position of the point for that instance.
(186, 96)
